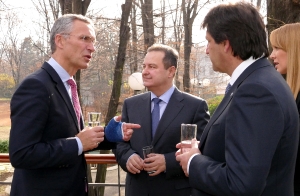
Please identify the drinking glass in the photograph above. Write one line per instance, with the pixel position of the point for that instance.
(188, 132)
(94, 119)
(147, 150)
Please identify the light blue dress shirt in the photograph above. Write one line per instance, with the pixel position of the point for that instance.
(164, 100)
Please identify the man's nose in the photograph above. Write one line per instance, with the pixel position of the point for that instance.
(91, 47)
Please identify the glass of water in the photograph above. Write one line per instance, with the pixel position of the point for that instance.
(94, 119)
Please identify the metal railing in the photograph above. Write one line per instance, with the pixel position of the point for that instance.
(90, 159)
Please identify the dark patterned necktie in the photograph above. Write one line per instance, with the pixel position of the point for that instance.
(227, 88)
(155, 115)
(75, 99)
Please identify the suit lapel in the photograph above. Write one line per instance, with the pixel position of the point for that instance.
(228, 97)
(172, 110)
(144, 112)
(61, 90)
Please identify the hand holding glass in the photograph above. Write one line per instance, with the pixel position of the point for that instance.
(94, 119)
(147, 150)
(188, 132)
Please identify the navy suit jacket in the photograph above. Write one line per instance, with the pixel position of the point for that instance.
(297, 170)
(249, 146)
(182, 108)
(42, 147)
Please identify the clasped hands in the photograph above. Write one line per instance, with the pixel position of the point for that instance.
(90, 137)
(154, 162)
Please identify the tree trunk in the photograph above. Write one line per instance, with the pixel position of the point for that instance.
(163, 19)
(189, 14)
(118, 72)
(281, 12)
(133, 63)
(178, 34)
(148, 27)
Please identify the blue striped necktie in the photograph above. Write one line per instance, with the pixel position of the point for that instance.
(155, 115)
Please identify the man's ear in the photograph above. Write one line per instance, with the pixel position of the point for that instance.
(172, 71)
(227, 46)
(59, 40)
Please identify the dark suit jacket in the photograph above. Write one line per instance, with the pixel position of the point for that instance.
(297, 171)
(250, 144)
(42, 147)
(182, 108)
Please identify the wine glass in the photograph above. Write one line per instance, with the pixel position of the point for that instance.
(94, 119)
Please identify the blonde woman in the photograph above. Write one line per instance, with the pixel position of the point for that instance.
(286, 56)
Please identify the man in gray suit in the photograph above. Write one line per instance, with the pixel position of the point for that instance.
(175, 108)
(249, 146)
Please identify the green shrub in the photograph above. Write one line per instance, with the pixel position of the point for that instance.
(213, 103)
(3, 146)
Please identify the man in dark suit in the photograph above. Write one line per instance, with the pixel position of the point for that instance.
(46, 144)
(250, 144)
(175, 108)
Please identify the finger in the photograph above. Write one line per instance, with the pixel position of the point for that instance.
(178, 157)
(129, 169)
(137, 165)
(136, 162)
(99, 140)
(151, 155)
(118, 118)
(99, 135)
(134, 169)
(131, 126)
(178, 152)
(178, 145)
(97, 129)
(128, 132)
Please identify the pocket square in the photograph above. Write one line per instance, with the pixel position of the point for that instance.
(113, 131)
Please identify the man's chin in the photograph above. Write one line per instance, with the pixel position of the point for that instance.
(84, 66)
(148, 86)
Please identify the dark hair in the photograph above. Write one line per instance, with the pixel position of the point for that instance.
(171, 55)
(242, 25)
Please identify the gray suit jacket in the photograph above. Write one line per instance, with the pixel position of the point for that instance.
(182, 108)
(249, 146)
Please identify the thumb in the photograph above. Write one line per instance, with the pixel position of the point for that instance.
(118, 118)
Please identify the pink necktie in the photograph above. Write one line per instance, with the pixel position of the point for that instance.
(75, 99)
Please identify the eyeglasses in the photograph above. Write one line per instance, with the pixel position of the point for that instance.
(84, 38)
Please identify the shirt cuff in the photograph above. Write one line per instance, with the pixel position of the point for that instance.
(80, 147)
(188, 165)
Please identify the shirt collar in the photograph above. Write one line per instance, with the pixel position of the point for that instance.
(240, 69)
(62, 73)
(166, 96)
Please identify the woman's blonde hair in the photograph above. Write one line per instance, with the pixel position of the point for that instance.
(287, 38)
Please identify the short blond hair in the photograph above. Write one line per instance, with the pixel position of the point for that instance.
(287, 38)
